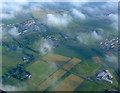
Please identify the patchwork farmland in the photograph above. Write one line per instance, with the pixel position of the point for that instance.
(40, 71)
(70, 64)
(57, 72)
(69, 84)
(57, 59)
(52, 79)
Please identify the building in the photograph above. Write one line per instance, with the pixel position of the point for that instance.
(106, 76)
(25, 59)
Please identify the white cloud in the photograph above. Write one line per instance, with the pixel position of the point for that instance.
(0, 33)
(45, 47)
(113, 61)
(94, 35)
(8, 15)
(14, 32)
(78, 4)
(78, 14)
(11, 9)
(113, 6)
(87, 38)
(58, 20)
(114, 19)
(19, 87)
(4, 34)
(100, 9)
(10, 88)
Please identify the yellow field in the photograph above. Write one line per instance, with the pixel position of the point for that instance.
(58, 59)
(41, 13)
(72, 63)
(52, 79)
(69, 84)
(38, 14)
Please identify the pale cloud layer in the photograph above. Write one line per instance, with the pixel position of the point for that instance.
(0, 33)
(78, 14)
(61, 0)
(87, 38)
(58, 20)
(14, 32)
(112, 61)
(45, 47)
(114, 19)
(11, 9)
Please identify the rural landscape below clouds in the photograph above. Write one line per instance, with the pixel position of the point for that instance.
(59, 46)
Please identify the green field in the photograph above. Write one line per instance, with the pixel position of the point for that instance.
(9, 62)
(10, 59)
(72, 51)
(89, 86)
(40, 71)
(86, 68)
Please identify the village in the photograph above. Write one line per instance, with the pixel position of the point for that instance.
(110, 44)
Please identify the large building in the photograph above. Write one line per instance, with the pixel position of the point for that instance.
(106, 76)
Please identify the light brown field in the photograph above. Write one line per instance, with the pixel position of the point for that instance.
(58, 59)
(32, 65)
(52, 79)
(69, 84)
(41, 13)
(72, 63)
(97, 59)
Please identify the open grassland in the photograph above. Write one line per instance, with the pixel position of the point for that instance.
(68, 84)
(52, 79)
(75, 49)
(8, 62)
(73, 62)
(86, 68)
(89, 86)
(65, 51)
(40, 71)
(11, 59)
(57, 59)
